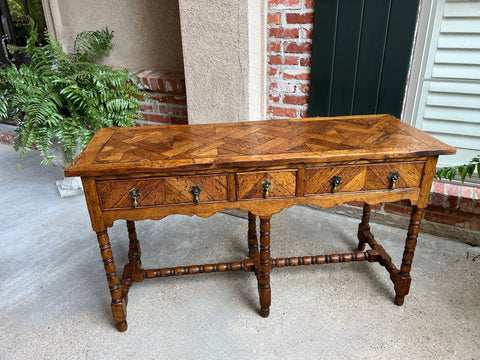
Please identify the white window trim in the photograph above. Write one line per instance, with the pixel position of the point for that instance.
(429, 12)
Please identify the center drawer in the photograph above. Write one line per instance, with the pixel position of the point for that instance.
(266, 184)
(156, 191)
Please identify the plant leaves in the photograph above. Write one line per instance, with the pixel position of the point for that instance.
(66, 98)
(464, 170)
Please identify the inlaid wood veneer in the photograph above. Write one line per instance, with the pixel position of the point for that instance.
(158, 191)
(363, 177)
(282, 184)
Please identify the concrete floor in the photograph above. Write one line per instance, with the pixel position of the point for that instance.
(54, 300)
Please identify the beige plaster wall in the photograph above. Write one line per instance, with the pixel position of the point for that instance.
(224, 56)
(147, 32)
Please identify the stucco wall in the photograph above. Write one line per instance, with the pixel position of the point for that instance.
(223, 48)
(212, 33)
(147, 32)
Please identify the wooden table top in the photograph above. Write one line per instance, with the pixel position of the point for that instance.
(158, 149)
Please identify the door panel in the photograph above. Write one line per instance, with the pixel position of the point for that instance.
(360, 56)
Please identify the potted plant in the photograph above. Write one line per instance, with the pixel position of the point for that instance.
(61, 100)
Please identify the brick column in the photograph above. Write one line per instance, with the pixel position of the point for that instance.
(289, 48)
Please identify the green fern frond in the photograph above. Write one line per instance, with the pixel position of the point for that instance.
(91, 45)
(42, 107)
(3, 104)
(54, 50)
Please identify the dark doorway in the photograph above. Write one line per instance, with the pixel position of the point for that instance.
(14, 29)
(14, 25)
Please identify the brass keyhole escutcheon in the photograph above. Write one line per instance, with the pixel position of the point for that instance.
(196, 190)
(335, 181)
(134, 194)
(266, 186)
(392, 178)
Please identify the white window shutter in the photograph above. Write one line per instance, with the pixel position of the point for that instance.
(449, 106)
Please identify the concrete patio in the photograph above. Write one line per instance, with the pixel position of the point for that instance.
(54, 299)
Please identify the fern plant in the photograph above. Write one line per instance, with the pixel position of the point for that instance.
(66, 98)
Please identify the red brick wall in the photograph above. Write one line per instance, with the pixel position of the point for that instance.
(289, 27)
(7, 136)
(290, 30)
(166, 101)
(449, 204)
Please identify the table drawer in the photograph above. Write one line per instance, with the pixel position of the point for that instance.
(157, 191)
(251, 185)
(354, 178)
(319, 180)
(378, 177)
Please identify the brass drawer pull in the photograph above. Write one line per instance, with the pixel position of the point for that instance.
(266, 186)
(335, 181)
(134, 194)
(393, 177)
(195, 190)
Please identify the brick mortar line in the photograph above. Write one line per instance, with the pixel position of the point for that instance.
(163, 114)
(149, 112)
(154, 93)
(169, 105)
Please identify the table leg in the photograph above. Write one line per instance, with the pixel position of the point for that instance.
(134, 252)
(363, 226)
(402, 282)
(264, 273)
(252, 235)
(119, 309)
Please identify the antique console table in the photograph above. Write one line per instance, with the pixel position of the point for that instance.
(262, 167)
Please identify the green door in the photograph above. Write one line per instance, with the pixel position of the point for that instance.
(360, 56)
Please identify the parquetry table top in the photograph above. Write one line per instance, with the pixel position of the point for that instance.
(157, 148)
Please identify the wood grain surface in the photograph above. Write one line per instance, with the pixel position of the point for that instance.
(212, 146)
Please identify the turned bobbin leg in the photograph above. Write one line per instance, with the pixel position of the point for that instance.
(264, 271)
(402, 282)
(134, 252)
(363, 226)
(252, 235)
(119, 309)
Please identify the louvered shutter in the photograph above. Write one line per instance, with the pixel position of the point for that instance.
(449, 106)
